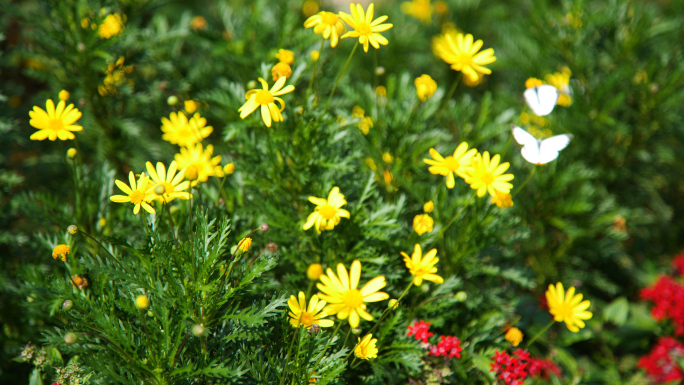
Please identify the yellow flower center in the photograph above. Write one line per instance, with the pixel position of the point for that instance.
(352, 298)
(564, 311)
(327, 212)
(329, 18)
(451, 163)
(487, 178)
(306, 319)
(364, 28)
(264, 97)
(464, 59)
(56, 125)
(137, 197)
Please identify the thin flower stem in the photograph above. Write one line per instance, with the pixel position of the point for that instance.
(445, 101)
(180, 347)
(534, 169)
(451, 221)
(320, 357)
(339, 76)
(103, 248)
(173, 228)
(529, 343)
(220, 189)
(313, 73)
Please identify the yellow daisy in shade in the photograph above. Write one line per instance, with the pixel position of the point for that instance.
(300, 315)
(457, 163)
(567, 307)
(140, 194)
(365, 348)
(420, 9)
(328, 24)
(55, 122)
(343, 297)
(462, 54)
(422, 267)
(171, 181)
(502, 200)
(180, 130)
(422, 223)
(266, 99)
(486, 175)
(198, 163)
(365, 28)
(514, 336)
(425, 87)
(327, 213)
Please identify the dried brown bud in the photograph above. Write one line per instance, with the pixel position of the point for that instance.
(272, 247)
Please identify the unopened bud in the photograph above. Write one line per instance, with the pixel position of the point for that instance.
(142, 302)
(70, 338)
(71, 153)
(263, 227)
(461, 296)
(356, 331)
(229, 168)
(379, 71)
(67, 305)
(159, 190)
(72, 229)
(251, 84)
(315, 55)
(150, 314)
(198, 330)
(172, 100)
(393, 304)
(272, 247)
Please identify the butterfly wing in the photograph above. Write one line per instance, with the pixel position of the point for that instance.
(530, 150)
(541, 99)
(549, 148)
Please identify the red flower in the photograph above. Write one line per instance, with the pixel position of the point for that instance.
(449, 345)
(661, 364)
(667, 296)
(420, 331)
(514, 370)
(678, 263)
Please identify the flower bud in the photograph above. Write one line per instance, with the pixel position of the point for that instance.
(142, 302)
(159, 190)
(245, 244)
(229, 168)
(251, 84)
(72, 229)
(356, 331)
(428, 207)
(67, 305)
(172, 100)
(315, 55)
(150, 314)
(64, 95)
(70, 338)
(461, 296)
(272, 247)
(314, 271)
(379, 70)
(263, 227)
(71, 153)
(393, 304)
(190, 106)
(198, 330)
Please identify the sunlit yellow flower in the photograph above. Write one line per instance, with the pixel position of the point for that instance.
(343, 297)
(198, 22)
(314, 271)
(183, 131)
(514, 336)
(300, 315)
(425, 87)
(327, 213)
(328, 24)
(420, 9)
(285, 56)
(567, 307)
(422, 267)
(365, 348)
(266, 99)
(533, 82)
(190, 106)
(229, 168)
(365, 28)
(422, 223)
(171, 182)
(451, 164)
(503, 200)
(561, 80)
(486, 175)
(428, 207)
(281, 70)
(198, 163)
(60, 251)
(56, 122)
(462, 54)
(64, 95)
(245, 244)
(140, 194)
(111, 26)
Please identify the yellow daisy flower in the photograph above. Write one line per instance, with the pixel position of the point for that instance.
(60, 251)
(514, 336)
(281, 70)
(327, 213)
(425, 87)
(111, 26)
(486, 175)
(180, 130)
(458, 163)
(502, 200)
(561, 80)
(139, 194)
(422, 223)
(285, 56)
(365, 28)
(567, 307)
(462, 54)
(422, 268)
(198, 163)
(266, 99)
(173, 183)
(533, 82)
(420, 9)
(56, 122)
(300, 315)
(343, 297)
(365, 348)
(328, 24)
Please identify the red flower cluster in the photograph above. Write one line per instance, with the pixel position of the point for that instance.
(448, 345)
(420, 330)
(667, 295)
(661, 364)
(513, 370)
(678, 263)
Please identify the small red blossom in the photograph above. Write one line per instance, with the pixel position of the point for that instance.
(661, 363)
(420, 330)
(448, 346)
(678, 263)
(667, 296)
(513, 370)
(544, 367)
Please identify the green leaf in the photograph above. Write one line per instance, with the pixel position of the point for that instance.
(617, 311)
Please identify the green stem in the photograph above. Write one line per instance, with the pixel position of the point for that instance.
(529, 343)
(173, 228)
(103, 248)
(320, 357)
(313, 73)
(445, 101)
(534, 169)
(451, 221)
(289, 351)
(339, 76)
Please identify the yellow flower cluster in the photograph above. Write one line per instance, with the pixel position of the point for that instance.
(115, 77)
(282, 68)
(112, 25)
(366, 122)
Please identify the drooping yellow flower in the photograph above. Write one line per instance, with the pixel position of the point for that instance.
(462, 54)
(300, 315)
(422, 223)
(328, 24)
(198, 163)
(457, 163)
(111, 26)
(422, 268)
(183, 131)
(314, 271)
(365, 28)
(266, 99)
(561, 80)
(281, 70)
(245, 244)
(327, 213)
(425, 87)
(56, 122)
(140, 194)
(420, 9)
(514, 336)
(285, 56)
(503, 200)
(60, 251)
(343, 297)
(171, 181)
(486, 175)
(365, 348)
(567, 307)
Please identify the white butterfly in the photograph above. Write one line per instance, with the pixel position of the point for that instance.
(538, 151)
(541, 99)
